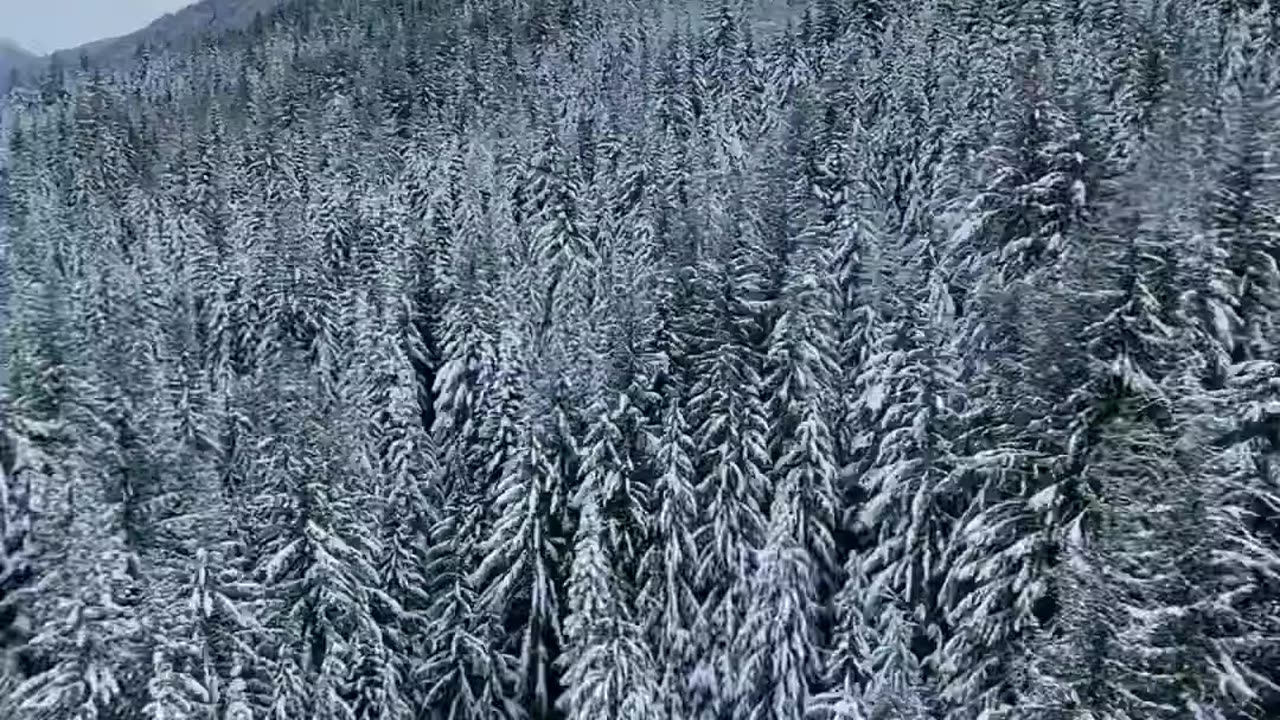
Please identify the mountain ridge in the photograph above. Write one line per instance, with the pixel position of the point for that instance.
(12, 57)
(206, 17)
(11, 46)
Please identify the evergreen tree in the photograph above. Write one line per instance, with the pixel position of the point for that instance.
(86, 644)
(667, 601)
(520, 570)
(545, 358)
(777, 642)
(609, 669)
(731, 437)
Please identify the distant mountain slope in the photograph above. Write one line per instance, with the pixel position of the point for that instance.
(12, 57)
(12, 52)
(208, 17)
(205, 17)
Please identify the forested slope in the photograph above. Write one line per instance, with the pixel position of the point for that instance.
(198, 23)
(12, 58)
(195, 25)
(637, 360)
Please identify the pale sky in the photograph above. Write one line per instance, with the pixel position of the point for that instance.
(43, 26)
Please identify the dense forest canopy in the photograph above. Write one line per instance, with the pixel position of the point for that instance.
(649, 360)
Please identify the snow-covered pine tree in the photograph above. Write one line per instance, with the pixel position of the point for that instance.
(467, 672)
(1017, 222)
(613, 477)
(667, 603)
(1024, 362)
(520, 571)
(317, 567)
(609, 670)
(1241, 210)
(732, 440)
(1241, 221)
(404, 462)
(238, 707)
(173, 695)
(777, 641)
(874, 670)
(1095, 662)
(801, 387)
(18, 464)
(910, 496)
(85, 645)
(846, 657)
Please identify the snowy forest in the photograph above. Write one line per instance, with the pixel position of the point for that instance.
(649, 360)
